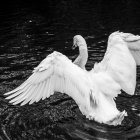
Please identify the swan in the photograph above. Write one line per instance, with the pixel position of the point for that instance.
(94, 91)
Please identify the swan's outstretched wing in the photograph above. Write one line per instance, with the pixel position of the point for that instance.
(55, 73)
(133, 43)
(119, 62)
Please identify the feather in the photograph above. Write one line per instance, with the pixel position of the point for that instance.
(28, 97)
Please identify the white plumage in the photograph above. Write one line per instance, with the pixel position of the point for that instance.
(94, 91)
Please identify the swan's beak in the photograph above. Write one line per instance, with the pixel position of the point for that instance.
(73, 47)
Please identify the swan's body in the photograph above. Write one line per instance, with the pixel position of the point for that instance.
(93, 91)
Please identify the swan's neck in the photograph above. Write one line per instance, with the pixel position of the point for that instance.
(83, 52)
(83, 56)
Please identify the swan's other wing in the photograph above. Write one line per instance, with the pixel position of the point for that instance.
(55, 73)
(119, 63)
(133, 42)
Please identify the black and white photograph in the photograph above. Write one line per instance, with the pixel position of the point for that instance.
(70, 70)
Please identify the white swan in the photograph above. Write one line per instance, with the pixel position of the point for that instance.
(94, 91)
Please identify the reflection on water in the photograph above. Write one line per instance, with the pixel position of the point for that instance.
(27, 35)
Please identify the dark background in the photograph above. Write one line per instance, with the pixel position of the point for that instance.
(29, 31)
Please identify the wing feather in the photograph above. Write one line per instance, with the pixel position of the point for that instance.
(24, 97)
(133, 43)
(136, 55)
(119, 63)
(55, 73)
(29, 95)
(48, 90)
(34, 95)
(18, 92)
(18, 88)
(21, 95)
(45, 92)
(41, 90)
(20, 98)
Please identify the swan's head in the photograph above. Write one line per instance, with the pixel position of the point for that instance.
(79, 41)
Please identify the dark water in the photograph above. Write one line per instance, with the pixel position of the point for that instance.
(28, 33)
